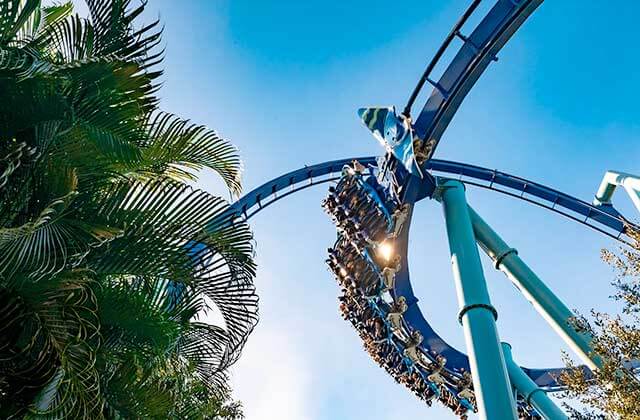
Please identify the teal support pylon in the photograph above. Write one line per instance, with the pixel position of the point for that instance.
(477, 315)
(552, 309)
(529, 390)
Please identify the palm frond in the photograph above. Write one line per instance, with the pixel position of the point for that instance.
(70, 320)
(35, 27)
(49, 243)
(106, 255)
(178, 148)
(140, 316)
(27, 356)
(18, 153)
(68, 41)
(166, 237)
(56, 12)
(226, 273)
(114, 34)
(13, 15)
(62, 332)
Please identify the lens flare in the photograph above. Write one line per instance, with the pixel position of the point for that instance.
(385, 250)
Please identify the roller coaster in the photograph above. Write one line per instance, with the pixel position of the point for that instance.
(371, 201)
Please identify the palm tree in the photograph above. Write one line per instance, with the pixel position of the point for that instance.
(107, 254)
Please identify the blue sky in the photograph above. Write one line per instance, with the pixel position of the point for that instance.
(283, 81)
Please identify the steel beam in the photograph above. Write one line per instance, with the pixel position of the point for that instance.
(611, 180)
(477, 315)
(529, 390)
(552, 309)
(595, 217)
(478, 50)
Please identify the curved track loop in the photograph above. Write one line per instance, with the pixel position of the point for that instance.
(585, 213)
(479, 49)
(434, 344)
(612, 225)
(282, 186)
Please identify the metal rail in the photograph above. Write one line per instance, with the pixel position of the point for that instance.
(436, 58)
(597, 218)
(577, 210)
(479, 49)
(610, 224)
(297, 180)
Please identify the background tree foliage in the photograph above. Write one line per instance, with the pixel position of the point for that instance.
(106, 252)
(614, 391)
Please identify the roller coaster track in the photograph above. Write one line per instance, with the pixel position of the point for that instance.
(607, 221)
(478, 50)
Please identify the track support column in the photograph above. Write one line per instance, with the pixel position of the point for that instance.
(491, 382)
(552, 309)
(529, 390)
(613, 179)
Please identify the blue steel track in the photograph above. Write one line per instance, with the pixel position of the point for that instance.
(603, 221)
(478, 50)
(612, 225)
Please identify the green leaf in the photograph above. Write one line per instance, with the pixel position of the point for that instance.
(15, 14)
(105, 254)
(47, 244)
(177, 148)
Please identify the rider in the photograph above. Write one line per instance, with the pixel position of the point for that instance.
(436, 376)
(399, 216)
(389, 274)
(394, 316)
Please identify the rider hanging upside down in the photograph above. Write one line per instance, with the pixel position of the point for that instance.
(389, 274)
(358, 167)
(466, 387)
(394, 316)
(411, 350)
(435, 376)
(399, 216)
